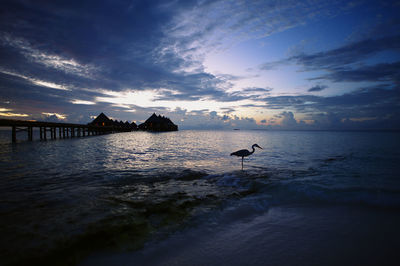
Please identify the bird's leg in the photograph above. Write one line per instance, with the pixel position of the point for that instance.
(242, 163)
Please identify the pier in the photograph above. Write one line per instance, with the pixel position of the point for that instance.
(50, 130)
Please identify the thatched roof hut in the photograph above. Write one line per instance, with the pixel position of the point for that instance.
(158, 123)
(101, 120)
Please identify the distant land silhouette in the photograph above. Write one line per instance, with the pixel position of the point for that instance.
(153, 123)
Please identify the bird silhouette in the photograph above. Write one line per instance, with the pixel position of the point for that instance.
(244, 153)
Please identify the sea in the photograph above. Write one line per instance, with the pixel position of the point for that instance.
(179, 198)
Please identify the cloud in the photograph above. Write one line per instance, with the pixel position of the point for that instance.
(206, 119)
(76, 101)
(379, 72)
(66, 57)
(53, 117)
(256, 90)
(274, 65)
(67, 65)
(8, 113)
(330, 112)
(347, 54)
(138, 45)
(228, 110)
(113, 47)
(36, 81)
(288, 120)
(348, 62)
(241, 20)
(317, 88)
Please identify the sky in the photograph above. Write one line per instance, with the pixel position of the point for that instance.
(285, 65)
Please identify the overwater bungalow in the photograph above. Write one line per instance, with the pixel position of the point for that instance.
(103, 121)
(158, 123)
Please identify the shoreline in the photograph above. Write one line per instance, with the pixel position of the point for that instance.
(284, 235)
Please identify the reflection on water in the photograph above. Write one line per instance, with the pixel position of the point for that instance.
(118, 190)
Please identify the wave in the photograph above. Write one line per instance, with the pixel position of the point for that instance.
(281, 185)
(311, 186)
(128, 208)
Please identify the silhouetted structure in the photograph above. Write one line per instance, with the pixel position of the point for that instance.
(100, 125)
(244, 153)
(48, 130)
(103, 121)
(158, 123)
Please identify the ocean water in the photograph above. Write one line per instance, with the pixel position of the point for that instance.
(71, 201)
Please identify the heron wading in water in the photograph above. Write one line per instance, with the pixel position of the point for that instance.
(244, 153)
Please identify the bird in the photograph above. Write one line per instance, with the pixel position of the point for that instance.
(244, 153)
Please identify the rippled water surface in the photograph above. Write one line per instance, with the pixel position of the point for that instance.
(69, 198)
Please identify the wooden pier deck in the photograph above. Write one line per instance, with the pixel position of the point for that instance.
(65, 130)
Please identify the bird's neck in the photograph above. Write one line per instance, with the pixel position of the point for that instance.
(252, 150)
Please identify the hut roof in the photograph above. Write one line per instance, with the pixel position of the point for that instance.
(158, 119)
(158, 123)
(100, 119)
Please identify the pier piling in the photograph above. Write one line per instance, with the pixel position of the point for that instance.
(14, 134)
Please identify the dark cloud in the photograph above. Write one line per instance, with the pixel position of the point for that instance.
(227, 110)
(317, 88)
(274, 65)
(379, 72)
(347, 54)
(108, 45)
(288, 121)
(200, 112)
(116, 45)
(381, 96)
(347, 63)
(55, 52)
(376, 106)
(370, 107)
(257, 90)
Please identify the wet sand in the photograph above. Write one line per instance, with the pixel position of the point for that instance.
(285, 235)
